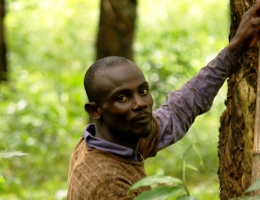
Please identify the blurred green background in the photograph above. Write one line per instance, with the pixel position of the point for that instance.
(50, 46)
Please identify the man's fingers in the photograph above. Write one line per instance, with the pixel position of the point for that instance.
(256, 22)
(255, 9)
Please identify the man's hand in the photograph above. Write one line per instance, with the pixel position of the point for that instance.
(247, 33)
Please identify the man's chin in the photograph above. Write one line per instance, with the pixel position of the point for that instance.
(142, 131)
(142, 134)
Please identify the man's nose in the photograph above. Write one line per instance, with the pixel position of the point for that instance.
(139, 103)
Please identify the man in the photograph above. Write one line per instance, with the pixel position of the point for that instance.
(110, 157)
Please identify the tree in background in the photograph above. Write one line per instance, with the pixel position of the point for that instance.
(237, 121)
(116, 28)
(3, 64)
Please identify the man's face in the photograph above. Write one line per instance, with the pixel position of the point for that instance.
(125, 101)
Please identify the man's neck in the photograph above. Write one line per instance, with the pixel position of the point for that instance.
(116, 138)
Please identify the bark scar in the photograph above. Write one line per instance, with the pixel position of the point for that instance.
(239, 80)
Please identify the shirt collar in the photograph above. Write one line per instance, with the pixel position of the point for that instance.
(103, 145)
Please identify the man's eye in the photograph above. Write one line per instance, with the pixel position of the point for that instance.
(122, 99)
(143, 91)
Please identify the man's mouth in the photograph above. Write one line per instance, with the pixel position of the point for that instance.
(142, 118)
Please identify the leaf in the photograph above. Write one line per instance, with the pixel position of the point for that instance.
(186, 197)
(159, 193)
(199, 155)
(1, 175)
(191, 167)
(183, 170)
(254, 186)
(156, 179)
(12, 154)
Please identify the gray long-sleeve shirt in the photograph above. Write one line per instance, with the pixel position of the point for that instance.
(181, 108)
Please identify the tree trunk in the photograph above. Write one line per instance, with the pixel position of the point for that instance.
(3, 65)
(237, 121)
(116, 28)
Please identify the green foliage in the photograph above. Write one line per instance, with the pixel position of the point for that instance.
(50, 46)
(186, 197)
(42, 106)
(5, 154)
(157, 180)
(9, 154)
(164, 187)
(173, 44)
(159, 193)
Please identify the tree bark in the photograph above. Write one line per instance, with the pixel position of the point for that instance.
(3, 63)
(116, 28)
(238, 120)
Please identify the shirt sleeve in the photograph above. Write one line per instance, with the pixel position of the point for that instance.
(182, 106)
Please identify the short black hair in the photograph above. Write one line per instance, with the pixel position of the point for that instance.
(104, 63)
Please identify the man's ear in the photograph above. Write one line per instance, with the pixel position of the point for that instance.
(93, 110)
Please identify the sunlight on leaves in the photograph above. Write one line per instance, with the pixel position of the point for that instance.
(12, 154)
(156, 179)
(191, 167)
(159, 193)
(186, 197)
